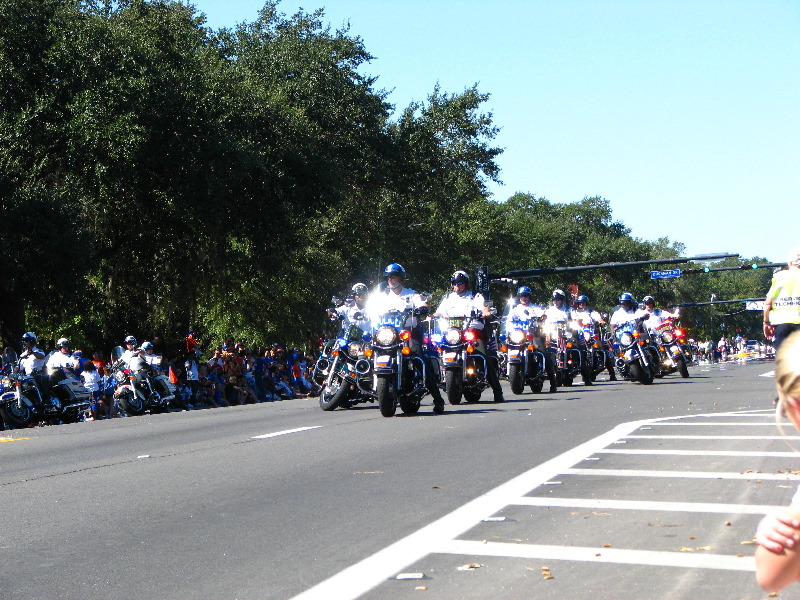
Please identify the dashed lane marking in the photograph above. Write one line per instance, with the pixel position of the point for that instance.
(286, 432)
(12, 439)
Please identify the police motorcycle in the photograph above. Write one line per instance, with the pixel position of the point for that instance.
(344, 368)
(637, 356)
(525, 364)
(57, 397)
(464, 369)
(670, 341)
(399, 375)
(594, 353)
(154, 392)
(569, 357)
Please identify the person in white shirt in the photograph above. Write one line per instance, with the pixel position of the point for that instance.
(62, 358)
(657, 315)
(584, 316)
(356, 313)
(398, 297)
(628, 311)
(462, 303)
(31, 359)
(558, 311)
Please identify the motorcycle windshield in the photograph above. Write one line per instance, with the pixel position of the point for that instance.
(624, 329)
(393, 318)
(10, 357)
(117, 352)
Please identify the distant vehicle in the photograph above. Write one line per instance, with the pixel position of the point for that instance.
(752, 346)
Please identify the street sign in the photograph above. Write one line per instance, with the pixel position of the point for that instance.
(756, 305)
(665, 274)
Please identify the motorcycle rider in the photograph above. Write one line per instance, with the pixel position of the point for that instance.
(62, 359)
(134, 359)
(628, 311)
(525, 310)
(31, 359)
(395, 296)
(558, 311)
(657, 315)
(356, 313)
(150, 357)
(461, 302)
(585, 316)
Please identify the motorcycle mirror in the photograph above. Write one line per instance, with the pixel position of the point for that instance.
(490, 303)
(349, 301)
(336, 301)
(425, 296)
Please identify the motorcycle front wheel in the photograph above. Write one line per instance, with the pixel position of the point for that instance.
(385, 395)
(332, 396)
(642, 374)
(452, 386)
(17, 416)
(515, 378)
(132, 403)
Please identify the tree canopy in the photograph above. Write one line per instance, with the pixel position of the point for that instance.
(156, 176)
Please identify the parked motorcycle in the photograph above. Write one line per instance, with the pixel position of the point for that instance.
(154, 392)
(58, 397)
(463, 368)
(637, 356)
(399, 375)
(344, 369)
(671, 341)
(525, 364)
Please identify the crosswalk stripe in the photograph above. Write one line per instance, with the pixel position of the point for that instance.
(685, 560)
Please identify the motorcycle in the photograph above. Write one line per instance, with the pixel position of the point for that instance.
(344, 369)
(399, 375)
(594, 353)
(670, 341)
(26, 399)
(638, 358)
(569, 358)
(525, 364)
(154, 392)
(463, 368)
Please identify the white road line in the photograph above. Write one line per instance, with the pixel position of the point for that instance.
(277, 433)
(683, 474)
(598, 503)
(686, 560)
(374, 570)
(440, 536)
(708, 424)
(712, 437)
(703, 453)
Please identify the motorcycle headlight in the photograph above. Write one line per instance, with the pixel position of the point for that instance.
(517, 336)
(626, 339)
(386, 336)
(667, 337)
(452, 336)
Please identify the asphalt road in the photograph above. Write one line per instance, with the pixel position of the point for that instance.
(591, 492)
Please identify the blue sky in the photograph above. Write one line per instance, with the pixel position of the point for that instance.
(684, 115)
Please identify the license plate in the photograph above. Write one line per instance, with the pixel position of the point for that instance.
(513, 353)
(450, 356)
(676, 350)
(383, 361)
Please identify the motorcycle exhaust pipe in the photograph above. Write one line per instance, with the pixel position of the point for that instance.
(363, 366)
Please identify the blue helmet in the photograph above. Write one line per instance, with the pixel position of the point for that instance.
(523, 290)
(583, 298)
(394, 269)
(558, 295)
(626, 297)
